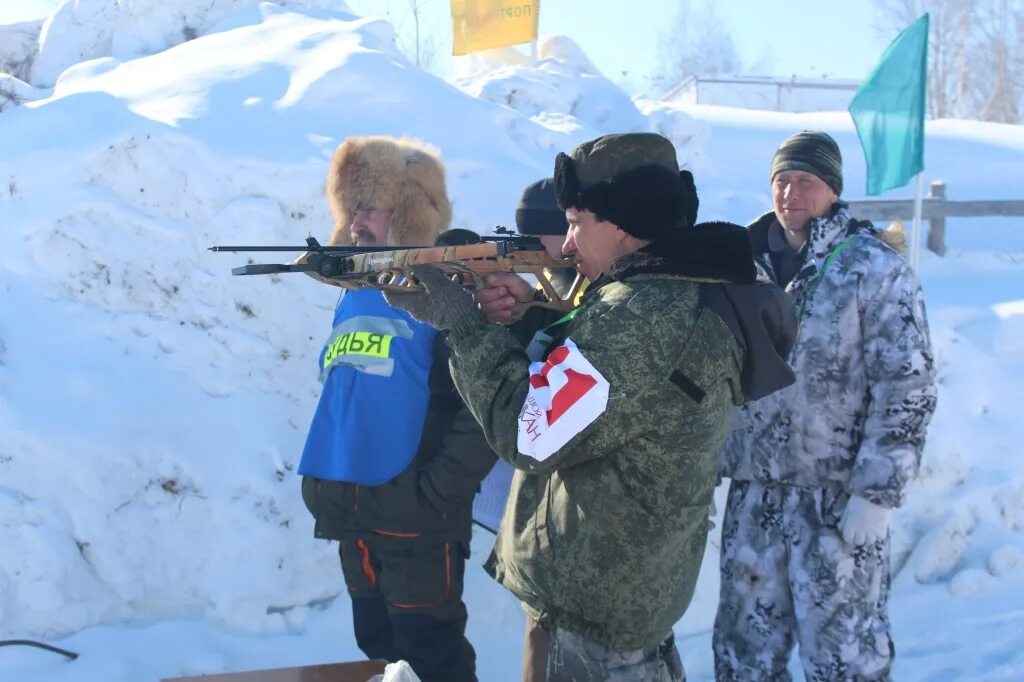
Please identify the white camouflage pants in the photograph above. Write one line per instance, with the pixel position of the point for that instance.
(788, 575)
(572, 658)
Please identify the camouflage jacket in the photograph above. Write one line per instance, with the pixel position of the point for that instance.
(605, 536)
(865, 387)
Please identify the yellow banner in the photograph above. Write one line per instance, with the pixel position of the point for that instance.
(485, 24)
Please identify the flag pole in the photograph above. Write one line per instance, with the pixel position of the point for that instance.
(916, 243)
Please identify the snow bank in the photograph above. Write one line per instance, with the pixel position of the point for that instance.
(79, 30)
(564, 91)
(19, 44)
(152, 407)
(14, 92)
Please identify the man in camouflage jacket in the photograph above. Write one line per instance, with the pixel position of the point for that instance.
(817, 467)
(616, 432)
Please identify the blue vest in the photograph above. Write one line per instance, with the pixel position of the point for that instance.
(374, 368)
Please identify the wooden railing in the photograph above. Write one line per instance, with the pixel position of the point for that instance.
(935, 209)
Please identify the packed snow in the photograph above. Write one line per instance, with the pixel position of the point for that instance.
(153, 407)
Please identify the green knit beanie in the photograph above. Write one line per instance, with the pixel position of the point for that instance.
(812, 151)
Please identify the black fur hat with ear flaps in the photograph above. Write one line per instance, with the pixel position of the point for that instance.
(403, 175)
(631, 180)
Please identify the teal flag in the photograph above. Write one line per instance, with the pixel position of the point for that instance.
(888, 111)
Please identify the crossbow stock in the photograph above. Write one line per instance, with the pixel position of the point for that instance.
(390, 269)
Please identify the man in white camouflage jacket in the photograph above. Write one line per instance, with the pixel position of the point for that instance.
(817, 467)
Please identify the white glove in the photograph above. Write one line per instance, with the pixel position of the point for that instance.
(863, 522)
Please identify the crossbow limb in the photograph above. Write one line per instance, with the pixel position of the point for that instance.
(353, 267)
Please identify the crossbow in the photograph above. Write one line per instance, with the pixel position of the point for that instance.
(390, 269)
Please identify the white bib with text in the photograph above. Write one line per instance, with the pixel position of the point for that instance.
(566, 395)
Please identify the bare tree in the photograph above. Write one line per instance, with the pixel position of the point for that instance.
(947, 45)
(424, 45)
(999, 87)
(975, 54)
(697, 42)
(763, 65)
(413, 34)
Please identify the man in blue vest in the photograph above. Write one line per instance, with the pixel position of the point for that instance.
(393, 459)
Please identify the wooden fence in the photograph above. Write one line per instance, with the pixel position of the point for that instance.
(935, 209)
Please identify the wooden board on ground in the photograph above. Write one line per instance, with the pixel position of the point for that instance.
(359, 671)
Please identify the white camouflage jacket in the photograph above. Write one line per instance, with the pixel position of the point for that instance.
(865, 386)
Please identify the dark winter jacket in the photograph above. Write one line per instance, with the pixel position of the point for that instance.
(865, 389)
(604, 534)
(433, 497)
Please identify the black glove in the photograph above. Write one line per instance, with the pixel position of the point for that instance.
(444, 304)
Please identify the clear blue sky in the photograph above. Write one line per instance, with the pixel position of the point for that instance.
(802, 37)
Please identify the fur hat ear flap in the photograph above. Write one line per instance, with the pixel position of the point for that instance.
(422, 211)
(567, 184)
(692, 200)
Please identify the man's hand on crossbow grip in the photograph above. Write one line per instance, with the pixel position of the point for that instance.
(444, 304)
(504, 298)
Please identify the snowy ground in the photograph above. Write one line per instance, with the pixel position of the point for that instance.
(152, 407)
